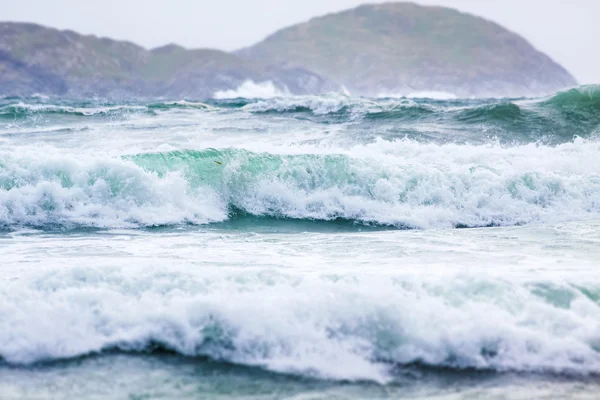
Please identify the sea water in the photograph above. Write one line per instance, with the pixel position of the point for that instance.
(310, 247)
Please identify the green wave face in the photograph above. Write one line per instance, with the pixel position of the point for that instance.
(396, 191)
(403, 185)
(214, 168)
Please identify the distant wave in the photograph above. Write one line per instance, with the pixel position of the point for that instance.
(251, 90)
(40, 96)
(181, 104)
(405, 184)
(318, 105)
(552, 120)
(434, 95)
(21, 110)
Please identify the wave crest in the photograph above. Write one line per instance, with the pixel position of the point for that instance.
(403, 184)
(251, 90)
(333, 327)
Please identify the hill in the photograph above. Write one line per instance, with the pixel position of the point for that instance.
(393, 48)
(36, 59)
(404, 47)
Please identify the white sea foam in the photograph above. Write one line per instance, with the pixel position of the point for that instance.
(87, 111)
(338, 327)
(406, 184)
(251, 90)
(190, 104)
(317, 104)
(432, 95)
(329, 104)
(46, 188)
(40, 96)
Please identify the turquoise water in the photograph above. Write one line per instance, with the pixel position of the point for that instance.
(300, 247)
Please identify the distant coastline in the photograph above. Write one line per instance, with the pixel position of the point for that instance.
(393, 48)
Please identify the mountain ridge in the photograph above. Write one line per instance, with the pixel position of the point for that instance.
(373, 45)
(372, 49)
(37, 59)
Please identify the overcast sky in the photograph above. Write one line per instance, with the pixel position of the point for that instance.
(567, 30)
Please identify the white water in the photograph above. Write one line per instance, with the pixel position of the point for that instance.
(335, 306)
(87, 111)
(405, 184)
(331, 104)
(251, 90)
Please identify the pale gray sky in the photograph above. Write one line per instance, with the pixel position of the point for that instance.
(567, 30)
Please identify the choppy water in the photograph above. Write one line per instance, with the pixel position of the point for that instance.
(300, 247)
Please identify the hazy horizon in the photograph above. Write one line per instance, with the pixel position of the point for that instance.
(566, 32)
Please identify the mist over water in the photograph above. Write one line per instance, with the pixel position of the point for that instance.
(302, 242)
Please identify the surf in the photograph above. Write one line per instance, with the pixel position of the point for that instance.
(403, 184)
(329, 327)
(552, 120)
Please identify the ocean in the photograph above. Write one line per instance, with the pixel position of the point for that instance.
(313, 247)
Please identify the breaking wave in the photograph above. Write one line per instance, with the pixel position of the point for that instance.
(252, 90)
(403, 184)
(347, 327)
(22, 110)
(553, 120)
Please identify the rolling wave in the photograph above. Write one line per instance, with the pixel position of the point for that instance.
(403, 184)
(347, 327)
(252, 90)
